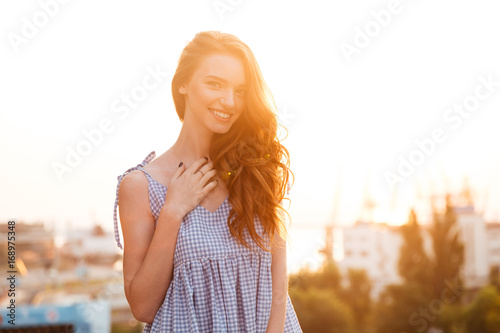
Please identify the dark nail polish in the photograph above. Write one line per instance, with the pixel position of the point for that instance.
(180, 164)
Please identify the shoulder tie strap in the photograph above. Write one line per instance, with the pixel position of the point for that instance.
(148, 159)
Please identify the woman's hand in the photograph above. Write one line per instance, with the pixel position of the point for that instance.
(188, 187)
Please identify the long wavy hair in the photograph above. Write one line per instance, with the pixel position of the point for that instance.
(249, 157)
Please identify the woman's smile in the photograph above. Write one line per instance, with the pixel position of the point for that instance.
(220, 115)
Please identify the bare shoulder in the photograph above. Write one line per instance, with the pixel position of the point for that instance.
(133, 181)
(133, 198)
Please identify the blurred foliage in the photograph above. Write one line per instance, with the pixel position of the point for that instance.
(413, 260)
(320, 310)
(323, 305)
(327, 277)
(450, 318)
(495, 277)
(448, 251)
(357, 297)
(483, 314)
(397, 309)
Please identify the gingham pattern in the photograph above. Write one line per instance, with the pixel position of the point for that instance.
(218, 284)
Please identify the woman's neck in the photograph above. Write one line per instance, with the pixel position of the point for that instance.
(193, 143)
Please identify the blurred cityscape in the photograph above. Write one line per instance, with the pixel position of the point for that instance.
(77, 275)
(76, 278)
(374, 247)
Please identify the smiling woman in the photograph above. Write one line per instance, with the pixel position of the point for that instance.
(203, 224)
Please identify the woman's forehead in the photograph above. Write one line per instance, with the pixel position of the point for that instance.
(223, 66)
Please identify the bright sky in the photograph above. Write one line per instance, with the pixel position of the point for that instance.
(354, 104)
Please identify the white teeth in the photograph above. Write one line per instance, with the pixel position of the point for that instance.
(220, 114)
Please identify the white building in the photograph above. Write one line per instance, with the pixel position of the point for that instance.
(476, 243)
(493, 241)
(373, 247)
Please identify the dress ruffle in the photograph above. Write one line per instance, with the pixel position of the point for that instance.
(212, 295)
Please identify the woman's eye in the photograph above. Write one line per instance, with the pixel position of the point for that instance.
(240, 92)
(214, 84)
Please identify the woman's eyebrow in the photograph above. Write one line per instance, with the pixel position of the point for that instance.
(221, 79)
(215, 77)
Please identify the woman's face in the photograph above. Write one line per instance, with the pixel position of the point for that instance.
(215, 94)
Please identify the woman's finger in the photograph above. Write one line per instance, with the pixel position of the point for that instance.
(207, 167)
(196, 165)
(208, 175)
(210, 186)
(179, 171)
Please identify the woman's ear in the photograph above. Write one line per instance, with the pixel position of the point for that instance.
(183, 90)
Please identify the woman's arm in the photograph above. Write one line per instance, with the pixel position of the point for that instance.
(280, 287)
(148, 253)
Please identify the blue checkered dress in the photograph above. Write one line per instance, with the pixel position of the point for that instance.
(218, 284)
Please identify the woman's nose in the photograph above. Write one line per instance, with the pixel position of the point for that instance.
(227, 100)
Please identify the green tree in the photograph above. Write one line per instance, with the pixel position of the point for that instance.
(448, 251)
(401, 308)
(315, 297)
(494, 277)
(327, 277)
(483, 314)
(418, 303)
(413, 262)
(357, 297)
(447, 263)
(321, 311)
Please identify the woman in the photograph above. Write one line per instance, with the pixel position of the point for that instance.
(208, 254)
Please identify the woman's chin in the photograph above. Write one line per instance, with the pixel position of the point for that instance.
(219, 130)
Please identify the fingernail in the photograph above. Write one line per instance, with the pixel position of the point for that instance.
(180, 164)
